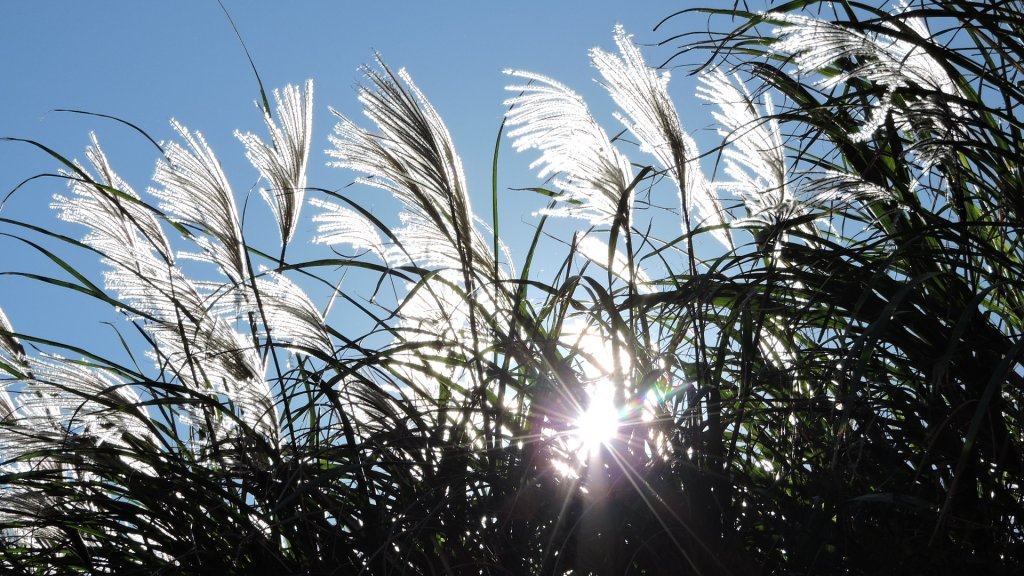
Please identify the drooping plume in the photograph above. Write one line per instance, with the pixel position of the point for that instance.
(434, 318)
(193, 343)
(290, 315)
(12, 354)
(413, 157)
(755, 161)
(891, 62)
(195, 192)
(10, 349)
(282, 163)
(754, 157)
(120, 226)
(649, 113)
(551, 118)
(337, 224)
(87, 400)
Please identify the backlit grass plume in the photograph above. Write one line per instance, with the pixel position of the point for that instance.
(798, 352)
(282, 163)
(194, 342)
(194, 191)
(412, 156)
(593, 175)
(649, 113)
(918, 91)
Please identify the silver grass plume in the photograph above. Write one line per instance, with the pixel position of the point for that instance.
(56, 399)
(642, 95)
(196, 345)
(551, 118)
(435, 337)
(199, 346)
(754, 157)
(434, 317)
(337, 224)
(12, 354)
(24, 439)
(290, 315)
(840, 189)
(422, 243)
(121, 227)
(10, 349)
(15, 417)
(412, 157)
(283, 162)
(89, 401)
(888, 61)
(24, 506)
(755, 160)
(195, 192)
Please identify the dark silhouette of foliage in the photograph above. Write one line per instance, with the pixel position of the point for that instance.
(819, 371)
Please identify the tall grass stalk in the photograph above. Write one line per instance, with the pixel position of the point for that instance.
(816, 367)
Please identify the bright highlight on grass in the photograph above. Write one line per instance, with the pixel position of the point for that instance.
(602, 420)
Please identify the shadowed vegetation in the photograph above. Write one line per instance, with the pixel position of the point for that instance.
(796, 352)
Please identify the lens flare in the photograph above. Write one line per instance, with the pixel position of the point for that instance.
(597, 425)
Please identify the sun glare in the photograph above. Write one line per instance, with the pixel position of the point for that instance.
(597, 425)
(599, 417)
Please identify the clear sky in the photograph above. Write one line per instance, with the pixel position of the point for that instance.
(148, 61)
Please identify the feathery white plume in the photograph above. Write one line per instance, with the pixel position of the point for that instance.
(434, 317)
(755, 160)
(888, 61)
(18, 439)
(754, 157)
(10, 348)
(553, 119)
(196, 345)
(120, 226)
(412, 157)
(291, 316)
(196, 192)
(421, 243)
(436, 307)
(340, 225)
(642, 94)
(23, 505)
(831, 187)
(11, 352)
(283, 163)
(88, 400)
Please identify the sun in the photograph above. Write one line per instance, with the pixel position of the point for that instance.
(597, 425)
(599, 417)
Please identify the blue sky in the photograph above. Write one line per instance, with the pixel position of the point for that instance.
(148, 62)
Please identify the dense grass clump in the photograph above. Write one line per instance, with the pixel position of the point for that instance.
(799, 352)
